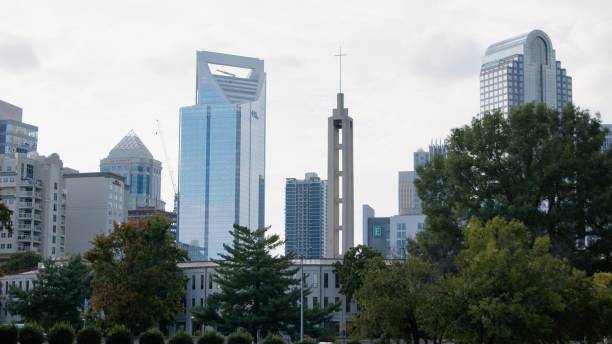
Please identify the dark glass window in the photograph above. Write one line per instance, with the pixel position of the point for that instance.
(325, 280)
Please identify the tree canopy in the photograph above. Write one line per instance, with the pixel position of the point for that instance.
(352, 267)
(537, 165)
(20, 262)
(137, 281)
(58, 295)
(258, 291)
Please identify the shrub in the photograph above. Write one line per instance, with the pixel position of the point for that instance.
(211, 337)
(118, 335)
(354, 341)
(273, 339)
(181, 338)
(8, 334)
(89, 335)
(31, 334)
(240, 337)
(61, 333)
(152, 336)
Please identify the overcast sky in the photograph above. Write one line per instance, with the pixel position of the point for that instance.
(86, 72)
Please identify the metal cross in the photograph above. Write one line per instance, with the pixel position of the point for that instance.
(339, 55)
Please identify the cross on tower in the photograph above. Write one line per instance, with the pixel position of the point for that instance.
(339, 55)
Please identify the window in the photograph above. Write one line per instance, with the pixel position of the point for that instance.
(348, 307)
(55, 186)
(325, 280)
(325, 301)
(201, 282)
(210, 282)
(336, 281)
(315, 302)
(193, 282)
(201, 302)
(377, 231)
(192, 302)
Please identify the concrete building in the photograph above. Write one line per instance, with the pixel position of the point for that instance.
(24, 281)
(305, 216)
(32, 187)
(409, 202)
(16, 136)
(389, 235)
(520, 70)
(222, 152)
(340, 197)
(131, 159)
(96, 201)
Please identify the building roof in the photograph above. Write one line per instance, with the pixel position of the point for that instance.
(130, 147)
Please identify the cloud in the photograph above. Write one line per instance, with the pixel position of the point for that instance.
(17, 54)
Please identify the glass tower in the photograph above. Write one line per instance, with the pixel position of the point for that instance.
(131, 159)
(520, 70)
(222, 153)
(305, 216)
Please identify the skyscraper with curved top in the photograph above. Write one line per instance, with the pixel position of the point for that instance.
(520, 70)
(222, 153)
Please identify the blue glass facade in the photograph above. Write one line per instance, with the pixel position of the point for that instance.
(17, 137)
(222, 154)
(305, 216)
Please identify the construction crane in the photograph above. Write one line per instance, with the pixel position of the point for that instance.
(175, 226)
(163, 142)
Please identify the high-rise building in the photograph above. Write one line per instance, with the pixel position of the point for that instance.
(15, 136)
(131, 159)
(339, 181)
(95, 202)
(608, 140)
(305, 216)
(32, 187)
(376, 231)
(520, 70)
(222, 152)
(409, 202)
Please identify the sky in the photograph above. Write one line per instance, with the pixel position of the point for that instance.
(87, 72)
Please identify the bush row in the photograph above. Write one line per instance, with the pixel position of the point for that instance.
(63, 333)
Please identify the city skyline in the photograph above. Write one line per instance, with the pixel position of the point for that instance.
(432, 76)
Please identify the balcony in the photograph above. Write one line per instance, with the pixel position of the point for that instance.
(26, 216)
(29, 238)
(25, 193)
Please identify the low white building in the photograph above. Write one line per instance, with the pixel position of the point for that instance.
(320, 278)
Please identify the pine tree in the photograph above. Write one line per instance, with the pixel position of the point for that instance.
(259, 291)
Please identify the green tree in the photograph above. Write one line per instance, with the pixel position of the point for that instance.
(258, 291)
(511, 289)
(352, 267)
(539, 166)
(392, 299)
(57, 296)
(20, 262)
(136, 278)
(6, 221)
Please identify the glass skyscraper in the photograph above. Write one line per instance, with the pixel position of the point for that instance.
(520, 70)
(131, 159)
(305, 216)
(222, 153)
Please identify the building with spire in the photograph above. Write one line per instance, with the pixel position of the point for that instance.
(340, 198)
(222, 153)
(131, 159)
(520, 70)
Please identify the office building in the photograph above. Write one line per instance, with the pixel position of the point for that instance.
(32, 187)
(376, 231)
(340, 198)
(222, 152)
(131, 159)
(608, 140)
(96, 202)
(520, 70)
(15, 136)
(389, 235)
(305, 216)
(409, 202)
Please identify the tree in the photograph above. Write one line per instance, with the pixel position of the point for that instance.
(352, 267)
(57, 296)
(511, 289)
(392, 299)
(137, 281)
(258, 291)
(6, 221)
(20, 262)
(539, 166)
